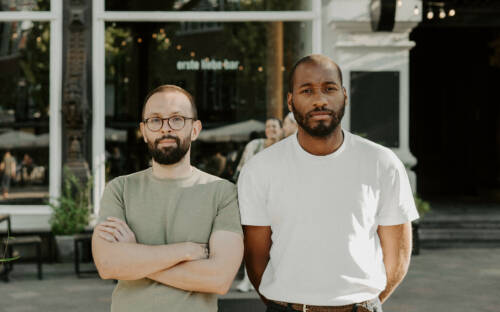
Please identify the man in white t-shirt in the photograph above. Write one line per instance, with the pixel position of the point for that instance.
(326, 214)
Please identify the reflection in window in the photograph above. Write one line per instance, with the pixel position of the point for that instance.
(24, 108)
(208, 5)
(24, 5)
(229, 68)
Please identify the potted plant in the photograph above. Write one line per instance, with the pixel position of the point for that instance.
(71, 212)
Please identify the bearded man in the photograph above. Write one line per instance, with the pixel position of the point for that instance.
(170, 234)
(326, 214)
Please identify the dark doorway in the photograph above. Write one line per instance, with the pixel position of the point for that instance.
(455, 111)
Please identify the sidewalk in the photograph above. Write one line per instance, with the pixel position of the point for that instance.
(459, 280)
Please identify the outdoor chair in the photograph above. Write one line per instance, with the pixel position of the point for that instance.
(9, 242)
(81, 240)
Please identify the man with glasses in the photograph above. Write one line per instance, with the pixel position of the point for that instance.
(326, 213)
(170, 234)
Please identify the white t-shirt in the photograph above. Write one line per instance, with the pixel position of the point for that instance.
(324, 212)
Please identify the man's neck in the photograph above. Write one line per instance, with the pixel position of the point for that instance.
(181, 169)
(320, 146)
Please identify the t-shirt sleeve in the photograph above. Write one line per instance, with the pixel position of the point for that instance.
(252, 197)
(396, 204)
(228, 214)
(112, 201)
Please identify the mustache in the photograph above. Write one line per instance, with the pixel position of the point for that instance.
(177, 140)
(318, 109)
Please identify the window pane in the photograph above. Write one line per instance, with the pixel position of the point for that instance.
(375, 106)
(24, 5)
(230, 68)
(24, 112)
(208, 5)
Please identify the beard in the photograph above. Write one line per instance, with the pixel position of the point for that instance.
(171, 154)
(323, 128)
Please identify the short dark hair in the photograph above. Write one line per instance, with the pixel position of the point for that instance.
(313, 58)
(171, 88)
(277, 119)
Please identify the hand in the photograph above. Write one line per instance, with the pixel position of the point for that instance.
(195, 251)
(115, 230)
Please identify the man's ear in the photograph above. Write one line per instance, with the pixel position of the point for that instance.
(289, 101)
(143, 132)
(195, 132)
(345, 95)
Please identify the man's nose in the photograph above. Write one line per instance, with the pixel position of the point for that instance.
(319, 100)
(165, 127)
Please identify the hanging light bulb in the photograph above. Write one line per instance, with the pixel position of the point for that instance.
(451, 12)
(400, 3)
(430, 14)
(442, 13)
(416, 10)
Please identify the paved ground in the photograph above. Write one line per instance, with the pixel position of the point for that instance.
(456, 280)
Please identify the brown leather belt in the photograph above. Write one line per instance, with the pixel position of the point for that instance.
(313, 308)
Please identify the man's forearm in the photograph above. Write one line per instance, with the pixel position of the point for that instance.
(201, 276)
(212, 275)
(126, 261)
(396, 245)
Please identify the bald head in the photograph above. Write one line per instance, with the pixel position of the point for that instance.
(317, 59)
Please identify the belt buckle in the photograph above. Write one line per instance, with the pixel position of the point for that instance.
(304, 308)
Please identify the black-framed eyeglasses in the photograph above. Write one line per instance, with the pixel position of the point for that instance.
(175, 122)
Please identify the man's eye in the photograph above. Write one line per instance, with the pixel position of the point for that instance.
(176, 119)
(331, 89)
(306, 91)
(154, 120)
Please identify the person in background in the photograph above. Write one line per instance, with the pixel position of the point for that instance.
(8, 171)
(274, 133)
(289, 125)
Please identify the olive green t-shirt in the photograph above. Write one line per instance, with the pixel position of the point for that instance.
(168, 211)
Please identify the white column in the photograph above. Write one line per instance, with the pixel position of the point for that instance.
(98, 102)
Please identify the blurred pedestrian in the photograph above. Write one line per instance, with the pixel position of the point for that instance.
(8, 172)
(274, 132)
(289, 125)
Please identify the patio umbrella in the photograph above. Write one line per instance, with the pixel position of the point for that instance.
(237, 132)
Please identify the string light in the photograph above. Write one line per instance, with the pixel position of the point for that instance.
(260, 69)
(178, 47)
(192, 54)
(154, 36)
(139, 40)
(442, 13)
(400, 3)
(416, 10)
(451, 12)
(430, 14)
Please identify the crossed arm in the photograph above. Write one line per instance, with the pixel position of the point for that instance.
(187, 265)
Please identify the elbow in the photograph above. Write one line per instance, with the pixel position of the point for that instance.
(223, 285)
(104, 271)
(222, 289)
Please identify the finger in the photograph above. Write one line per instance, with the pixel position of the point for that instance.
(107, 237)
(113, 225)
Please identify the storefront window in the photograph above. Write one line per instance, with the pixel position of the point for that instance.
(207, 5)
(24, 5)
(24, 112)
(237, 73)
(375, 106)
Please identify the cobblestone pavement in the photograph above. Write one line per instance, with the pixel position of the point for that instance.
(456, 280)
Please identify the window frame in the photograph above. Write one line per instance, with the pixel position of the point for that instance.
(100, 16)
(42, 213)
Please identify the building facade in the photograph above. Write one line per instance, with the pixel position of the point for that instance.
(74, 75)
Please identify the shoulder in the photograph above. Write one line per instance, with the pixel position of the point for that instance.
(206, 178)
(272, 155)
(372, 151)
(119, 182)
